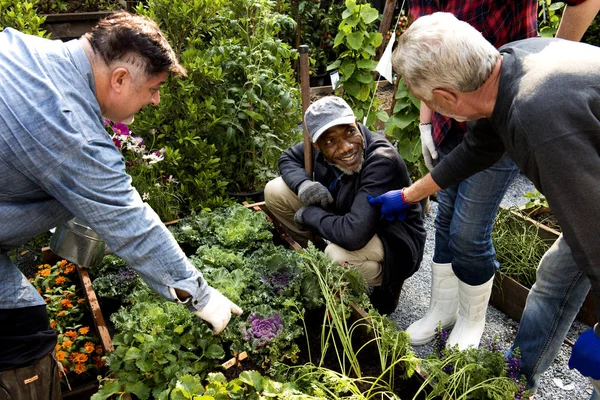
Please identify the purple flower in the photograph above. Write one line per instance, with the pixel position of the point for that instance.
(279, 280)
(121, 129)
(492, 345)
(117, 142)
(440, 339)
(106, 122)
(262, 329)
(513, 366)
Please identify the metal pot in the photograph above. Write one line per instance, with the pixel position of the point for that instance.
(78, 243)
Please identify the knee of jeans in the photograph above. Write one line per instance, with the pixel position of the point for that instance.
(472, 264)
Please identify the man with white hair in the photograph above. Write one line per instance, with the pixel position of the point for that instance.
(539, 100)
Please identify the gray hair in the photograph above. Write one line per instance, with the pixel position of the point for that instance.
(439, 51)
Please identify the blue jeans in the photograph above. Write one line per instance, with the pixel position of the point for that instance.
(465, 220)
(552, 305)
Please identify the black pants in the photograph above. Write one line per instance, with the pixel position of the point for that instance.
(40, 381)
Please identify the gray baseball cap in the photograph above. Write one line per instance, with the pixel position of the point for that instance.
(325, 113)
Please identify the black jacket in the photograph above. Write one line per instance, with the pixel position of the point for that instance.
(352, 221)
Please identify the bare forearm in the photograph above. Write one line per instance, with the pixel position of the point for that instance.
(576, 20)
(422, 188)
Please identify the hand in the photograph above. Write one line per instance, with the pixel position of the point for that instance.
(299, 220)
(585, 356)
(217, 311)
(311, 192)
(393, 204)
(430, 154)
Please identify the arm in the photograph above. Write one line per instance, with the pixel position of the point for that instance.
(576, 18)
(382, 172)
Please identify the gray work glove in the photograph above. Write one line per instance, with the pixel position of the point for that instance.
(299, 220)
(430, 154)
(310, 192)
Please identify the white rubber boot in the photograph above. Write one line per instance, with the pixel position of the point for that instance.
(473, 302)
(443, 305)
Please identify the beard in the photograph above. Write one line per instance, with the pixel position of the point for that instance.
(347, 171)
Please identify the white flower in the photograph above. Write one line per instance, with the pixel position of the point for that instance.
(145, 196)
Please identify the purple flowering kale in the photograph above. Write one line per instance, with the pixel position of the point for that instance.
(262, 330)
(278, 281)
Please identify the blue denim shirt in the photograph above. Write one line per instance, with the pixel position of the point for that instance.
(57, 161)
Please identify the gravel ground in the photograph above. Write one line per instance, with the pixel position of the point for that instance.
(558, 382)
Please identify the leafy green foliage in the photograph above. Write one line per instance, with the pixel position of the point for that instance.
(358, 41)
(475, 373)
(519, 248)
(228, 122)
(158, 342)
(232, 227)
(403, 126)
(535, 200)
(549, 17)
(22, 16)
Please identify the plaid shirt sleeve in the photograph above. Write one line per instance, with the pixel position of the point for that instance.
(500, 22)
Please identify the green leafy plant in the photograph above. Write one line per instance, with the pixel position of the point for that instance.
(549, 17)
(22, 16)
(358, 41)
(475, 373)
(403, 126)
(70, 6)
(519, 248)
(228, 122)
(535, 200)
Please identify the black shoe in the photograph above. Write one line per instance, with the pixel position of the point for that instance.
(385, 298)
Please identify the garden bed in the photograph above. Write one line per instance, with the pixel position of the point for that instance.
(509, 296)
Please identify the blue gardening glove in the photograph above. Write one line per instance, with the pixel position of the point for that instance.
(393, 204)
(311, 192)
(585, 356)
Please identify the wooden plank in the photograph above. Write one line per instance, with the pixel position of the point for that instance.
(95, 307)
(384, 26)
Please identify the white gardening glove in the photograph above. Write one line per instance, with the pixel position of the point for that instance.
(217, 311)
(430, 154)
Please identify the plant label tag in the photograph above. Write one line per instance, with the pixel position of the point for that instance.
(335, 77)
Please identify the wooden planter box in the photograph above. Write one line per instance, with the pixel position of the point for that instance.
(509, 296)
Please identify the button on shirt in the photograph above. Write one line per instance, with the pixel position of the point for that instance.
(57, 161)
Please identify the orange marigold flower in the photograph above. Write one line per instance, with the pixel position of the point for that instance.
(89, 347)
(84, 330)
(66, 344)
(81, 358)
(71, 334)
(44, 266)
(31, 280)
(79, 368)
(69, 295)
(39, 290)
(60, 280)
(99, 349)
(57, 347)
(66, 303)
(61, 314)
(47, 300)
(80, 301)
(62, 263)
(52, 324)
(69, 268)
(44, 272)
(60, 355)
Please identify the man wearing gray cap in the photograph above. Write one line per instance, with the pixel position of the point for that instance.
(350, 162)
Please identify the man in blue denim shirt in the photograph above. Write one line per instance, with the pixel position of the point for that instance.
(57, 161)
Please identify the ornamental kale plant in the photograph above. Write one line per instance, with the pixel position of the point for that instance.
(260, 330)
(481, 373)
